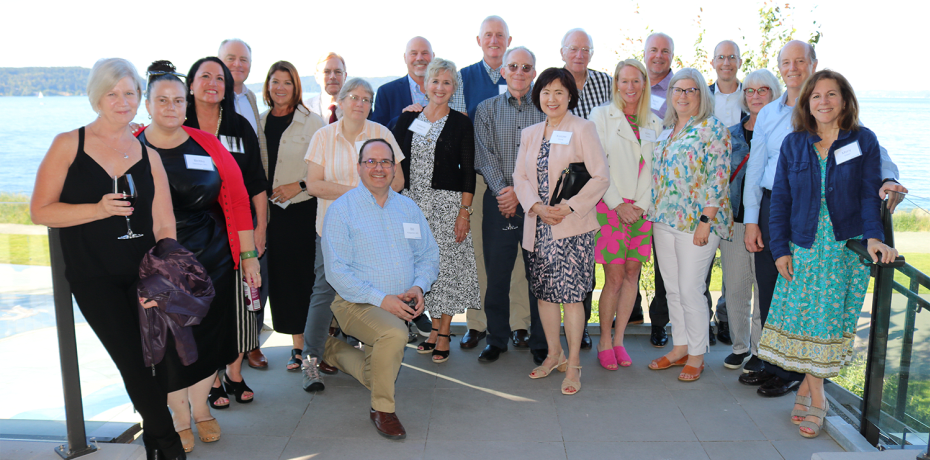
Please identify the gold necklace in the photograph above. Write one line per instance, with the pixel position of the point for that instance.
(124, 154)
(218, 123)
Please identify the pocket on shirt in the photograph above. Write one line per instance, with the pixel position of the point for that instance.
(798, 167)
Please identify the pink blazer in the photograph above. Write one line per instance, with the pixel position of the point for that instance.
(584, 147)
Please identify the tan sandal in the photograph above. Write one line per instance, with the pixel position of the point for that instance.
(814, 427)
(209, 430)
(803, 401)
(543, 371)
(691, 373)
(187, 439)
(569, 383)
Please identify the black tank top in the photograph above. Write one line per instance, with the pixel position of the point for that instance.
(92, 249)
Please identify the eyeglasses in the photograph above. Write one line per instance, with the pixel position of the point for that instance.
(574, 49)
(527, 68)
(371, 163)
(159, 73)
(723, 58)
(689, 91)
(762, 91)
(355, 98)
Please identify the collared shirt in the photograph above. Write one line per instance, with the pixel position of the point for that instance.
(315, 104)
(338, 156)
(244, 108)
(417, 96)
(659, 91)
(726, 106)
(773, 124)
(595, 92)
(498, 123)
(458, 99)
(371, 252)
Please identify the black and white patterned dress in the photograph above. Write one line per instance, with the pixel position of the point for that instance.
(456, 288)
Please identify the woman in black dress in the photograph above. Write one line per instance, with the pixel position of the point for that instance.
(73, 191)
(213, 222)
(288, 128)
(211, 108)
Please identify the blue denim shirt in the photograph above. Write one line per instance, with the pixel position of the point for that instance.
(740, 150)
(851, 188)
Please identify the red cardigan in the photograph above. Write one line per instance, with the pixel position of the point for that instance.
(233, 198)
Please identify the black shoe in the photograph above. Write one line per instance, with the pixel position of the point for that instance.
(635, 318)
(712, 338)
(520, 338)
(658, 338)
(755, 378)
(753, 365)
(424, 325)
(490, 354)
(471, 338)
(586, 342)
(723, 332)
(776, 387)
(539, 356)
(735, 360)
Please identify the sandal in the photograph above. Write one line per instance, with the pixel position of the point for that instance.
(237, 389)
(569, 383)
(425, 347)
(607, 358)
(797, 415)
(442, 355)
(691, 373)
(295, 360)
(664, 363)
(814, 427)
(187, 440)
(208, 430)
(215, 394)
(623, 357)
(542, 371)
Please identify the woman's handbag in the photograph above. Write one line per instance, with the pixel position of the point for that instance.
(571, 181)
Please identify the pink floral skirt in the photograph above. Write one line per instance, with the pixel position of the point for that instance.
(618, 242)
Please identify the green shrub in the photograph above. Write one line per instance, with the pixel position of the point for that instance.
(14, 213)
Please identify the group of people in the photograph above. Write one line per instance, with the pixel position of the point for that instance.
(578, 168)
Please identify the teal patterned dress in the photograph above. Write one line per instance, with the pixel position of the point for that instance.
(812, 322)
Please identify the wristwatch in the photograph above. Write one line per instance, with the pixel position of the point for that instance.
(303, 185)
(704, 219)
(467, 208)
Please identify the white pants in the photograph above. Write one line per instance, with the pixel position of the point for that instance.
(684, 268)
(739, 274)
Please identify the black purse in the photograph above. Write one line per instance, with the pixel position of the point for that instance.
(571, 181)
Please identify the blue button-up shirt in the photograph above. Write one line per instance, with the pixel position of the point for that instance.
(416, 95)
(366, 254)
(773, 124)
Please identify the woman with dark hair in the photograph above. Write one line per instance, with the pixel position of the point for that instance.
(74, 192)
(825, 193)
(288, 126)
(211, 108)
(560, 236)
(213, 222)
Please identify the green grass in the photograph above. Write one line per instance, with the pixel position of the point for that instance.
(917, 405)
(915, 220)
(24, 249)
(14, 213)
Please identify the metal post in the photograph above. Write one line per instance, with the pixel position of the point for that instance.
(907, 347)
(67, 350)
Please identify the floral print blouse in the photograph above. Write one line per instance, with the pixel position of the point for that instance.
(690, 171)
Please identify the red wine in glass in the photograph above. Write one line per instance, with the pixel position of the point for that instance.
(125, 186)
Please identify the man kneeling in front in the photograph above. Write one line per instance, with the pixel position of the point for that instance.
(380, 257)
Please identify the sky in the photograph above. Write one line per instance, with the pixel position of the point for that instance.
(371, 35)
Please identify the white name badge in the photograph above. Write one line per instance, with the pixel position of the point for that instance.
(848, 152)
(420, 127)
(561, 137)
(501, 89)
(198, 162)
(232, 144)
(647, 135)
(664, 135)
(358, 146)
(412, 231)
(655, 102)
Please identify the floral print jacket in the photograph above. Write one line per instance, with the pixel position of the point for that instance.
(691, 170)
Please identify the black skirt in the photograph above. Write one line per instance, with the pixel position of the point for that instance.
(291, 250)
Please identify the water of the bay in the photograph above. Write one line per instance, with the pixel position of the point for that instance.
(28, 125)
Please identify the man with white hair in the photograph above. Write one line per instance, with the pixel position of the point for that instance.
(593, 86)
(482, 80)
(330, 75)
(237, 55)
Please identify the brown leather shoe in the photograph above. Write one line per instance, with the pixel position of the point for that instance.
(471, 338)
(327, 369)
(387, 424)
(520, 337)
(257, 359)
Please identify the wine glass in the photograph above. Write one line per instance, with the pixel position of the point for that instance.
(125, 185)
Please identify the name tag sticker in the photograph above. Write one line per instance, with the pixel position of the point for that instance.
(647, 135)
(655, 102)
(358, 146)
(664, 135)
(283, 205)
(198, 162)
(561, 137)
(420, 127)
(501, 89)
(848, 152)
(412, 231)
(232, 144)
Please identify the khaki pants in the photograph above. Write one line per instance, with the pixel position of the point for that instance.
(384, 336)
(519, 300)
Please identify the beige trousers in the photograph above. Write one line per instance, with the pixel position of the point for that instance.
(519, 299)
(384, 336)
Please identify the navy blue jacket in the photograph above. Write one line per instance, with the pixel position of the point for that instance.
(391, 99)
(851, 188)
